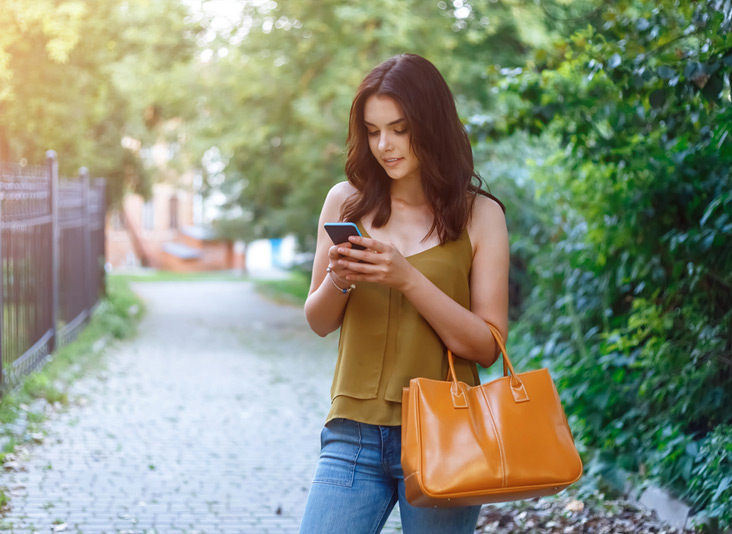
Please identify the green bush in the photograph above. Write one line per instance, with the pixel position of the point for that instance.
(631, 304)
(711, 480)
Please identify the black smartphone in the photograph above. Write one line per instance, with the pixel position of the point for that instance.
(340, 231)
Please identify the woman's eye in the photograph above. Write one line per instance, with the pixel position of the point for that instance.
(400, 132)
(374, 133)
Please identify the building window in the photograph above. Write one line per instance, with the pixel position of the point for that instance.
(148, 219)
(173, 212)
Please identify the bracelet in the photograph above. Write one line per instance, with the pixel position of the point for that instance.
(346, 290)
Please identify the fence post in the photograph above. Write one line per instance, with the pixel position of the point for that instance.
(88, 279)
(52, 167)
(2, 283)
(101, 291)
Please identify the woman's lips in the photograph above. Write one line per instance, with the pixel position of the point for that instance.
(392, 162)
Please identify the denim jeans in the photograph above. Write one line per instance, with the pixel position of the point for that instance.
(359, 479)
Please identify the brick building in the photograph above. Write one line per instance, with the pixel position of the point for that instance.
(163, 233)
(167, 231)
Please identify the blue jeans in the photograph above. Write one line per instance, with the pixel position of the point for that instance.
(359, 479)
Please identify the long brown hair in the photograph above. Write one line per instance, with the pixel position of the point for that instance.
(437, 137)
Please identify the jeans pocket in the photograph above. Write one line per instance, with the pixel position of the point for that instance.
(340, 446)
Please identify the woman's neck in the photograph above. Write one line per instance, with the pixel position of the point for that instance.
(408, 191)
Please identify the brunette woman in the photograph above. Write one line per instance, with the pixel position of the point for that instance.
(434, 270)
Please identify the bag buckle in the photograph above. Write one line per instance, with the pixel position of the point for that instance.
(518, 390)
(458, 396)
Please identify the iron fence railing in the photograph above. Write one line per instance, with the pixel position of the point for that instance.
(51, 261)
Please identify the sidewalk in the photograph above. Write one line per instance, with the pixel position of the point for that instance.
(207, 422)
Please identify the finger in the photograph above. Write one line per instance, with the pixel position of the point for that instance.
(372, 244)
(333, 251)
(363, 277)
(354, 254)
(344, 263)
(359, 267)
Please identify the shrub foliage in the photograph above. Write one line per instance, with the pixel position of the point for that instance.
(632, 298)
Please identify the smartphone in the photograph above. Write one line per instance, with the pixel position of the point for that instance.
(339, 233)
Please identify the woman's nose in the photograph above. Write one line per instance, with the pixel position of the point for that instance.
(384, 143)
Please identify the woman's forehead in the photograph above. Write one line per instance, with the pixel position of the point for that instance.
(381, 110)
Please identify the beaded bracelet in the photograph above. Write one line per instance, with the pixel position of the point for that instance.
(346, 290)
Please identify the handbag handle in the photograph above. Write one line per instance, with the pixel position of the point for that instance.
(517, 386)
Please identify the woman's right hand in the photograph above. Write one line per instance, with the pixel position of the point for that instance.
(337, 268)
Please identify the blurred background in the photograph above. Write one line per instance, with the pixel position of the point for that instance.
(603, 126)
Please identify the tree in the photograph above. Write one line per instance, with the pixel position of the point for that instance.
(278, 89)
(80, 76)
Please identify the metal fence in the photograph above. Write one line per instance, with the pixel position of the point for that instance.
(51, 261)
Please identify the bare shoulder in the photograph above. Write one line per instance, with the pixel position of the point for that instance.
(337, 195)
(487, 221)
(487, 209)
(340, 192)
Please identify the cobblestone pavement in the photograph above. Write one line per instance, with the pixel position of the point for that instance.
(207, 422)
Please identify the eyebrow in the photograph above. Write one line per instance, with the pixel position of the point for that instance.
(392, 123)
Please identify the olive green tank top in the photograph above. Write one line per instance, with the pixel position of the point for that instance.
(385, 342)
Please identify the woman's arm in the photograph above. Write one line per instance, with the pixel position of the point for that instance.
(463, 331)
(325, 305)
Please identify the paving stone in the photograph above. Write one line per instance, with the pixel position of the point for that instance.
(207, 422)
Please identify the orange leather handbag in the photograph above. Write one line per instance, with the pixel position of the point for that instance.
(501, 441)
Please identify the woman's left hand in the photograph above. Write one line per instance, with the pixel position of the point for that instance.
(381, 263)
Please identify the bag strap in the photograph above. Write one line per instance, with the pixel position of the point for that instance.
(517, 386)
(501, 346)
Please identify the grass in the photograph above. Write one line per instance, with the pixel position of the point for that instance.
(292, 290)
(167, 276)
(22, 408)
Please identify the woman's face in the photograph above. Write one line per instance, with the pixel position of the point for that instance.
(389, 139)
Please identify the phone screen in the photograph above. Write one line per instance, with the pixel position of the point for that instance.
(339, 233)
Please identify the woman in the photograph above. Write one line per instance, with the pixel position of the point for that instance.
(434, 270)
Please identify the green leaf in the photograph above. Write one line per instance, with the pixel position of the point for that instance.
(686, 464)
(713, 88)
(657, 98)
(710, 209)
(666, 72)
(723, 485)
(642, 25)
(692, 67)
